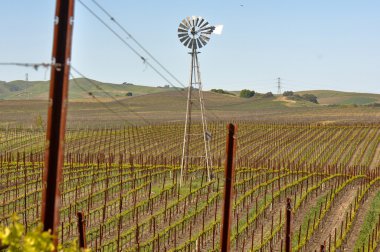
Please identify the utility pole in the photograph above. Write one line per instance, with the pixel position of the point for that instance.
(279, 86)
(57, 110)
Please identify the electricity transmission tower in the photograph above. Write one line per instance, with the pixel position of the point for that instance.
(194, 33)
(279, 86)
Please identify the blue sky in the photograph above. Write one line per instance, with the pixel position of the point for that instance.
(309, 44)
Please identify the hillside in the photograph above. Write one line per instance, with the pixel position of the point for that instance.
(79, 89)
(82, 90)
(330, 97)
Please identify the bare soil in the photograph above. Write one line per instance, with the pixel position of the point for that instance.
(333, 218)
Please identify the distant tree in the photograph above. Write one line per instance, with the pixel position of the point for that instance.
(128, 94)
(288, 93)
(295, 97)
(246, 93)
(268, 95)
(220, 91)
(310, 97)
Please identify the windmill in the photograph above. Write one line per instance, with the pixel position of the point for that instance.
(194, 33)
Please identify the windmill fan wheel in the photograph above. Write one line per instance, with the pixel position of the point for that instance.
(194, 32)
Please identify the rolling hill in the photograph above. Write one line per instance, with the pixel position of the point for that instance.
(83, 90)
(330, 97)
(79, 89)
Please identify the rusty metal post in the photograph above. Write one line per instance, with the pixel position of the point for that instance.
(82, 230)
(56, 122)
(323, 248)
(229, 174)
(288, 238)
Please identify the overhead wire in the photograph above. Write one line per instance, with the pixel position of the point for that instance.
(34, 65)
(113, 19)
(110, 96)
(144, 59)
(104, 104)
(47, 65)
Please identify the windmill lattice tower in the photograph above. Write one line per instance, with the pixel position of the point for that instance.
(194, 33)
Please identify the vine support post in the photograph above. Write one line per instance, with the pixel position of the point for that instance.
(82, 230)
(56, 119)
(288, 238)
(323, 248)
(229, 176)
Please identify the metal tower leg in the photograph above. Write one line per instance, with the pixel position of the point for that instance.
(195, 79)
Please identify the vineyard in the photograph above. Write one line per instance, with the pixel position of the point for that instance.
(125, 180)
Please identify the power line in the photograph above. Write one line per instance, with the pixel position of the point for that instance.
(98, 100)
(34, 65)
(144, 59)
(113, 19)
(109, 95)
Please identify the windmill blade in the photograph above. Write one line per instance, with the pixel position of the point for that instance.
(188, 19)
(183, 40)
(195, 44)
(205, 38)
(185, 23)
(191, 21)
(197, 22)
(183, 26)
(201, 22)
(204, 25)
(199, 43)
(186, 43)
(191, 44)
(207, 29)
(180, 30)
(180, 35)
(194, 18)
(204, 42)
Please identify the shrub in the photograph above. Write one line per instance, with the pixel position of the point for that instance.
(310, 97)
(246, 93)
(268, 95)
(220, 91)
(288, 93)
